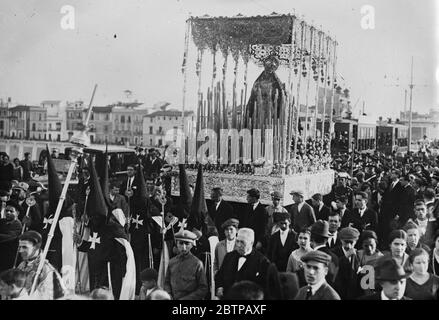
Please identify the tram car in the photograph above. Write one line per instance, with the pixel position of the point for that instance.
(368, 137)
(392, 137)
(359, 134)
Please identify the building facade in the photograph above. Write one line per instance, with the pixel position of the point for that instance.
(74, 118)
(37, 123)
(56, 120)
(160, 128)
(422, 124)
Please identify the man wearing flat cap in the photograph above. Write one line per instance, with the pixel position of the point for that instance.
(227, 245)
(50, 286)
(254, 217)
(186, 277)
(219, 210)
(272, 211)
(347, 282)
(316, 268)
(391, 277)
(282, 242)
(302, 214)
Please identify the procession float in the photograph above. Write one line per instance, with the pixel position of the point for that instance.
(264, 91)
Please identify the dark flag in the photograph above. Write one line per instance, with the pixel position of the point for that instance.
(199, 221)
(96, 211)
(185, 200)
(102, 171)
(142, 228)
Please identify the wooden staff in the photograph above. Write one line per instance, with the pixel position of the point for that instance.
(54, 223)
(110, 285)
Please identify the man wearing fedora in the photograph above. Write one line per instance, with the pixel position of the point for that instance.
(348, 280)
(391, 278)
(319, 240)
(185, 276)
(301, 212)
(227, 245)
(316, 268)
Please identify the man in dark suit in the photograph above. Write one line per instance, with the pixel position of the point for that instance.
(319, 240)
(334, 221)
(254, 217)
(282, 242)
(348, 278)
(361, 218)
(219, 210)
(316, 268)
(153, 164)
(320, 209)
(244, 263)
(407, 200)
(10, 230)
(117, 200)
(302, 214)
(130, 188)
(391, 277)
(391, 206)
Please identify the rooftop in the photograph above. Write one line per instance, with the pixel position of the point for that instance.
(169, 113)
(50, 101)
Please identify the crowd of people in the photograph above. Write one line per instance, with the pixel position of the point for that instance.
(374, 236)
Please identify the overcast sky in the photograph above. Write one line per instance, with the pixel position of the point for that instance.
(138, 45)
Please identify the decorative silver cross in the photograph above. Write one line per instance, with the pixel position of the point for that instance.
(182, 224)
(94, 239)
(137, 221)
(47, 221)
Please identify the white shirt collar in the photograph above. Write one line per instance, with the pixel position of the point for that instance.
(317, 286)
(300, 205)
(321, 205)
(255, 205)
(217, 205)
(361, 211)
(283, 236)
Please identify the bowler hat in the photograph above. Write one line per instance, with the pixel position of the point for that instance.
(254, 193)
(388, 269)
(318, 256)
(186, 235)
(230, 222)
(320, 228)
(349, 233)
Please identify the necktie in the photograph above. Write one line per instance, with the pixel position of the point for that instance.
(308, 293)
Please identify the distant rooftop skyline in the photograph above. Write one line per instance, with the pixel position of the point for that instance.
(136, 48)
